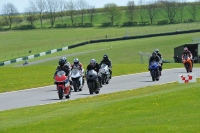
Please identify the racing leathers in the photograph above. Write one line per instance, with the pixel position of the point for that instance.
(96, 68)
(109, 63)
(189, 54)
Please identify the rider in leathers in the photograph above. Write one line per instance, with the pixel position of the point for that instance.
(78, 65)
(108, 62)
(159, 54)
(65, 66)
(94, 66)
(189, 53)
(154, 57)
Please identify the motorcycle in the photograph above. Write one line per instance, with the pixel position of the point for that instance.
(187, 62)
(63, 85)
(154, 70)
(77, 78)
(92, 81)
(104, 73)
(25, 63)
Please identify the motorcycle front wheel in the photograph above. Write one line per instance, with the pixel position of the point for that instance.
(60, 92)
(153, 75)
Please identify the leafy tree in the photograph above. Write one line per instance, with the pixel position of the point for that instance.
(171, 7)
(41, 7)
(152, 10)
(130, 10)
(10, 12)
(112, 12)
(31, 13)
(91, 11)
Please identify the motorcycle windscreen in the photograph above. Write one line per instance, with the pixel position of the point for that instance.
(103, 66)
(60, 73)
(185, 57)
(75, 71)
(154, 65)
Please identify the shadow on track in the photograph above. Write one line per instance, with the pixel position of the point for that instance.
(84, 94)
(147, 81)
(53, 99)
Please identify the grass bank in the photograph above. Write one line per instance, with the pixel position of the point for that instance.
(167, 108)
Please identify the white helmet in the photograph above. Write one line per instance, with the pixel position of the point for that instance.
(76, 61)
(157, 50)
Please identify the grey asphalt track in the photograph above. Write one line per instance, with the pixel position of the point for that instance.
(48, 95)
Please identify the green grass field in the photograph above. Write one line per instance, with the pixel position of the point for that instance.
(124, 55)
(15, 44)
(161, 108)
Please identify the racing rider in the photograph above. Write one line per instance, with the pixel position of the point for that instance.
(108, 62)
(94, 66)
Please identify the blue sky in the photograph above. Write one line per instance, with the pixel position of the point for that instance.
(22, 4)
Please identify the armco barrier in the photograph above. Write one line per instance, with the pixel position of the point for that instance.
(102, 40)
(78, 45)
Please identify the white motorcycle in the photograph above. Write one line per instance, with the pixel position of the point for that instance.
(77, 79)
(104, 73)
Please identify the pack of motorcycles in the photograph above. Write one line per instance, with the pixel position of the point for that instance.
(64, 87)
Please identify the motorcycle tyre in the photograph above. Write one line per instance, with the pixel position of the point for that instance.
(90, 86)
(153, 75)
(103, 79)
(75, 85)
(60, 92)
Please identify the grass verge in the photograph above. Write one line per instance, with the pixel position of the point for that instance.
(161, 108)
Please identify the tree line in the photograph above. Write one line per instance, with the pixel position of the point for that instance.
(38, 10)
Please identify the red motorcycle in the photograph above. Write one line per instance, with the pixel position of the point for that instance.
(63, 85)
(187, 63)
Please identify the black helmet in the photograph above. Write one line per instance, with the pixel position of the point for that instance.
(76, 61)
(105, 57)
(154, 54)
(62, 61)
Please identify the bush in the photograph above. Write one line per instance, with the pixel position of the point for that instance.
(88, 25)
(189, 20)
(61, 25)
(80, 25)
(18, 20)
(162, 22)
(129, 24)
(143, 23)
(106, 24)
(24, 27)
(175, 22)
(4, 23)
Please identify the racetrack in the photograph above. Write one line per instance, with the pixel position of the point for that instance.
(48, 95)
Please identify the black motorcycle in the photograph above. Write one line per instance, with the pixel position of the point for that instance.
(92, 81)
